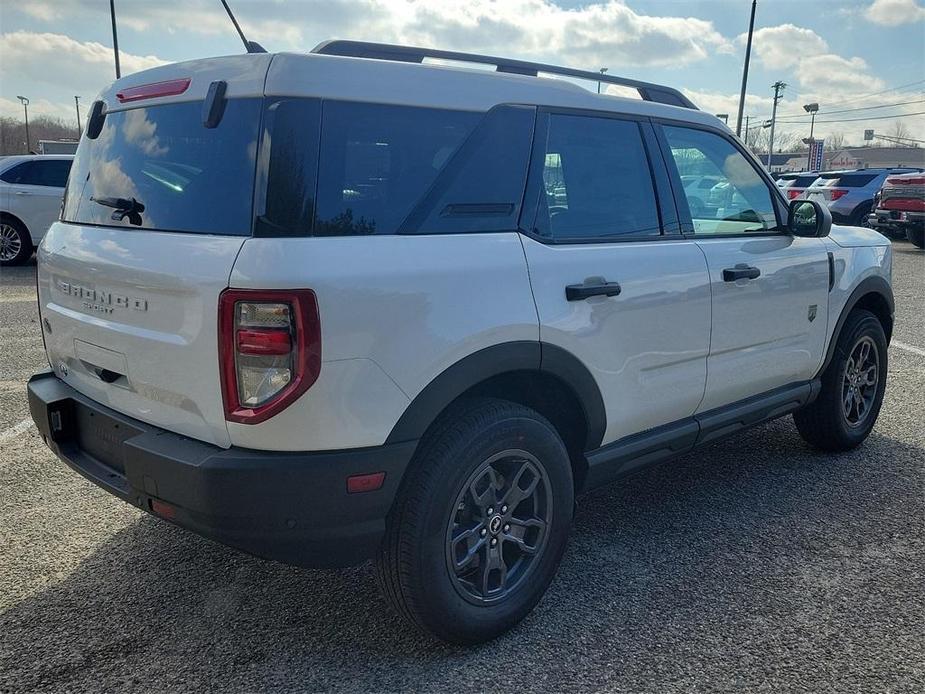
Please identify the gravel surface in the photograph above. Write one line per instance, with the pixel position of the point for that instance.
(755, 564)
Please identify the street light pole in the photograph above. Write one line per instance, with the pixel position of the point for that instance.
(810, 109)
(602, 71)
(748, 54)
(25, 108)
(115, 37)
(77, 106)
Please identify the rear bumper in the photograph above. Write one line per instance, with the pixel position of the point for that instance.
(896, 219)
(292, 507)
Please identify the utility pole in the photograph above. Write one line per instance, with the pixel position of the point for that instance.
(778, 88)
(748, 55)
(745, 136)
(77, 106)
(25, 108)
(115, 36)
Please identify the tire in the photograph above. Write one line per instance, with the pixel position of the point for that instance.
(437, 520)
(15, 242)
(859, 218)
(825, 423)
(916, 236)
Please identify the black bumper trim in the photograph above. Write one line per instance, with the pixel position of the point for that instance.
(291, 507)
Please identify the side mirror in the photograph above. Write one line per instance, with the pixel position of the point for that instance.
(809, 218)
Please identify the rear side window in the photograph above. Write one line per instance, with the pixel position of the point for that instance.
(14, 174)
(376, 161)
(856, 180)
(596, 181)
(52, 173)
(188, 177)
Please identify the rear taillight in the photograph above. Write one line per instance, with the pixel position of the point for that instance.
(270, 350)
(793, 194)
(837, 193)
(907, 181)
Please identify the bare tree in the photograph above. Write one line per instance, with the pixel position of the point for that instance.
(835, 141)
(899, 130)
(13, 132)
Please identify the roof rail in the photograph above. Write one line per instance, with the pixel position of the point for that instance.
(408, 54)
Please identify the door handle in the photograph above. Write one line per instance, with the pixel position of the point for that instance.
(740, 272)
(578, 292)
(23, 192)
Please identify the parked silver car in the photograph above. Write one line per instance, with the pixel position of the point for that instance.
(850, 194)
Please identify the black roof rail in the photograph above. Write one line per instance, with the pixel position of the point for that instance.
(408, 54)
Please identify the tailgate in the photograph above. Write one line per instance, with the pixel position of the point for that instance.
(130, 320)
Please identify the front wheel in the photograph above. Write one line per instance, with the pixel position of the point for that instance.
(481, 522)
(852, 387)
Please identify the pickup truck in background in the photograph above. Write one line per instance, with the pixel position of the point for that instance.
(899, 208)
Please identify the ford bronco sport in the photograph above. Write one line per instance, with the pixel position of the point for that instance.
(349, 305)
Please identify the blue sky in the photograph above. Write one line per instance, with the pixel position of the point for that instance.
(845, 54)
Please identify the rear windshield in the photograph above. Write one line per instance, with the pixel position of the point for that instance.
(187, 177)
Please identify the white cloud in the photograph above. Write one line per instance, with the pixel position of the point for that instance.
(603, 33)
(783, 46)
(892, 13)
(84, 66)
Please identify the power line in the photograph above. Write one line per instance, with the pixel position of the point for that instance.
(853, 120)
(897, 88)
(847, 110)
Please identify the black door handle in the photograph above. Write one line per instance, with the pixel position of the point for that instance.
(740, 272)
(578, 292)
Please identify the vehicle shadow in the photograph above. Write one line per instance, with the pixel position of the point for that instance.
(674, 576)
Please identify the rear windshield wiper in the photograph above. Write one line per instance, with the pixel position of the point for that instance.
(124, 207)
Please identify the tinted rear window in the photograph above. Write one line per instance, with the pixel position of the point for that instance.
(188, 177)
(856, 180)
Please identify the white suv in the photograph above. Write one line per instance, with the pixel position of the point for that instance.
(30, 201)
(343, 306)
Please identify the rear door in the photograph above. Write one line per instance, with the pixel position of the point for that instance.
(632, 303)
(770, 288)
(129, 297)
(35, 192)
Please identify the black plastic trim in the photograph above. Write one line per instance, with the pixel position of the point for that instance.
(633, 453)
(508, 357)
(289, 506)
(869, 285)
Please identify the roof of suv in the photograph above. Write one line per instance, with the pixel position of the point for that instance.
(389, 82)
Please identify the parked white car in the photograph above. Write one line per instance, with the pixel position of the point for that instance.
(31, 188)
(341, 306)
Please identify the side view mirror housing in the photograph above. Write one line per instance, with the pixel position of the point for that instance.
(809, 218)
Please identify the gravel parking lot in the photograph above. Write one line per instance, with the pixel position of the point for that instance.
(753, 565)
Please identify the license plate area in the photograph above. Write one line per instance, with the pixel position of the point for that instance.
(101, 437)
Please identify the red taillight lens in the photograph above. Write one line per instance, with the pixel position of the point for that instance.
(837, 193)
(270, 349)
(268, 341)
(155, 89)
(793, 194)
(906, 181)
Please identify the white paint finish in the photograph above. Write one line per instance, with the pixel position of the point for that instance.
(244, 75)
(415, 305)
(907, 348)
(170, 350)
(445, 86)
(15, 430)
(646, 348)
(762, 337)
(857, 237)
(36, 206)
(352, 404)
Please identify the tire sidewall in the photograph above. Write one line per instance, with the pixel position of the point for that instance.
(437, 593)
(25, 250)
(866, 324)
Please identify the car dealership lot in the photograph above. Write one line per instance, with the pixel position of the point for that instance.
(755, 564)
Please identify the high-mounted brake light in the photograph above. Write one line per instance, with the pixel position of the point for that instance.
(269, 348)
(155, 89)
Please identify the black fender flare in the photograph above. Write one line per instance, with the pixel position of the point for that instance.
(870, 285)
(493, 361)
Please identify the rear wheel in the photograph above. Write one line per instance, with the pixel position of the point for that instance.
(852, 387)
(481, 522)
(15, 243)
(859, 218)
(916, 236)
